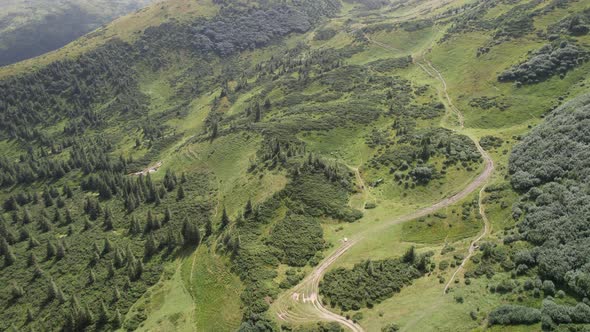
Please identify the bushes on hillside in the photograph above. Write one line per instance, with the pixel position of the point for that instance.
(371, 282)
(298, 238)
(550, 60)
(514, 315)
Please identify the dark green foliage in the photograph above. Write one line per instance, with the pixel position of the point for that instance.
(371, 282)
(190, 233)
(299, 238)
(514, 315)
(552, 59)
(577, 24)
(320, 189)
(388, 65)
(550, 167)
(390, 328)
(488, 103)
(324, 34)
(490, 142)
(237, 30)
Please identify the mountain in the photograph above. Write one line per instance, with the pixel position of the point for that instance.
(301, 165)
(31, 28)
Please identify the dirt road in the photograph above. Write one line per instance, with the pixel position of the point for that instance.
(307, 291)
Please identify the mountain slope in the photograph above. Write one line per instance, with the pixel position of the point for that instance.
(188, 167)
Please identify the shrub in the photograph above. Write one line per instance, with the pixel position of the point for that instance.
(514, 315)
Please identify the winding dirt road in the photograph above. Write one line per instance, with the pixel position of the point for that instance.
(307, 290)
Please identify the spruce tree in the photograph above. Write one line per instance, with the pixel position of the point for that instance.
(117, 319)
(108, 220)
(116, 294)
(27, 218)
(135, 227)
(69, 219)
(107, 247)
(91, 277)
(16, 291)
(224, 220)
(32, 260)
(61, 250)
(51, 250)
(248, 209)
(52, 290)
(103, 314)
(87, 224)
(151, 247)
(191, 234)
(180, 193)
(208, 228)
(167, 215)
(9, 257)
(30, 315)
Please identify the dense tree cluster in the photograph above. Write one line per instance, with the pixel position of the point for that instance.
(237, 30)
(299, 238)
(552, 59)
(371, 282)
(551, 170)
(577, 24)
(64, 90)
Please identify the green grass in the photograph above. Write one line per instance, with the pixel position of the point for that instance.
(214, 289)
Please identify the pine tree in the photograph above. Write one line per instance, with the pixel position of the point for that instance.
(60, 296)
(151, 247)
(52, 290)
(91, 277)
(157, 199)
(51, 250)
(32, 260)
(30, 315)
(44, 225)
(33, 242)
(410, 255)
(191, 234)
(167, 215)
(9, 257)
(116, 294)
(248, 210)
(119, 260)
(224, 220)
(69, 219)
(117, 319)
(103, 314)
(16, 291)
(208, 228)
(111, 271)
(4, 246)
(61, 250)
(27, 218)
(180, 193)
(135, 227)
(87, 224)
(108, 219)
(107, 247)
(37, 271)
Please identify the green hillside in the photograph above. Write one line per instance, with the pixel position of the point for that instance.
(301, 165)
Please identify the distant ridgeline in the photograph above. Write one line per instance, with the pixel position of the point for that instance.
(82, 240)
(551, 170)
(32, 28)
